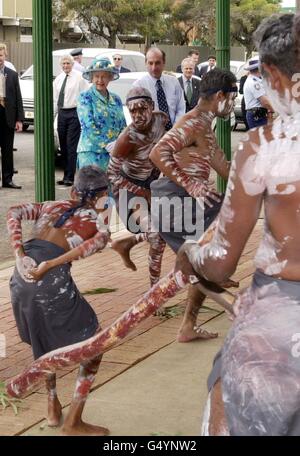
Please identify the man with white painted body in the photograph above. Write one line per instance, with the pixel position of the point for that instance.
(130, 172)
(255, 382)
(50, 311)
(185, 155)
(165, 89)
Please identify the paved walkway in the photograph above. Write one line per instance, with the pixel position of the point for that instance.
(150, 349)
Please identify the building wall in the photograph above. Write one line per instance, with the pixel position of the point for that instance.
(14, 8)
(24, 8)
(9, 8)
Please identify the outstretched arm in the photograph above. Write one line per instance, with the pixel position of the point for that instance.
(87, 248)
(15, 215)
(163, 156)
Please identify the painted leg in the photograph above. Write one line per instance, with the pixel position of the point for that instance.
(54, 406)
(188, 330)
(123, 247)
(156, 251)
(73, 424)
(214, 418)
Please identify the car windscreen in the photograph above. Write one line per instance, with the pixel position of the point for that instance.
(28, 74)
(86, 61)
(121, 87)
(132, 62)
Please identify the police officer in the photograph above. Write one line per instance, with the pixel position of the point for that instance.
(77, 56)
(257, 104)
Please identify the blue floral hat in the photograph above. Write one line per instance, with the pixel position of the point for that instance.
(101, 64)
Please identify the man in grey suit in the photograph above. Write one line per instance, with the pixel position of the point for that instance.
(190, 84)
(11, 118)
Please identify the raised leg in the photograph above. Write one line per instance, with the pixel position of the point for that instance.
(73, 424)
(124, 246)
(188, 330)
(156, 251)
(54, 406)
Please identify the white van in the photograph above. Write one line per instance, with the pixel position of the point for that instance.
(133, 60)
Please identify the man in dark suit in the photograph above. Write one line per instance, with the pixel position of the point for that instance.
(118, 59)
(194, 56)
(189, 84)
(212, 63)
(11, 118)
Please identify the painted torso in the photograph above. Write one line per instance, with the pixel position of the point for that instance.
(138, 165)
(82, 226)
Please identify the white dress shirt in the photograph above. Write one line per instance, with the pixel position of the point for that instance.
(74, 86)
(77, 66)
(173, 91)
(9, 65)
(253, 89)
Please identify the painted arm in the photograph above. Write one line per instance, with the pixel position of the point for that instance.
(218, 160)
(15, 215)
(265, 103)
(217, 260)
(162, 155)
(87, 248)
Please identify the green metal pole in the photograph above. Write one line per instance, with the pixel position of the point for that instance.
(223, 61)
(43, 104)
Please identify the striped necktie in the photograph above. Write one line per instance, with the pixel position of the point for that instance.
(162, 103)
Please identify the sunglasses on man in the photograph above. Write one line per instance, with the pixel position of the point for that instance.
(117, 58)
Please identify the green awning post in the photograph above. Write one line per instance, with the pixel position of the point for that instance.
(223, 61)
(43, 104)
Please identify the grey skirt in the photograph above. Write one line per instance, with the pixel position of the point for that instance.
(50, 313)
(259, 363)
(178, 217)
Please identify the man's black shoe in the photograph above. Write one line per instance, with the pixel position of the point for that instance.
(66, 183)
(11, 185)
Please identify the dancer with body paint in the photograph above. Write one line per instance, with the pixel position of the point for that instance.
(185, 155)
(255, 382)
(50, 312)
(131, 171)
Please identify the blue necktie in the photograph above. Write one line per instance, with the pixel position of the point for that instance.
(162, 103)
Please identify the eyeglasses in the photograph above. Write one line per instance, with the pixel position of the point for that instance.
(117, 58)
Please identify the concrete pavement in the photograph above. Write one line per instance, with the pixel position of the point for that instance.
(163, 395)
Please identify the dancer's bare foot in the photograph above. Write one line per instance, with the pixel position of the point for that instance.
(54, 417)
(82, 428)
(123, 247)
(188, 335)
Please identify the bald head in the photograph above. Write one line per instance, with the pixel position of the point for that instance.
(155, 62)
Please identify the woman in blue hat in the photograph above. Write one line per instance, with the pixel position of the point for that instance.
(100, 114)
